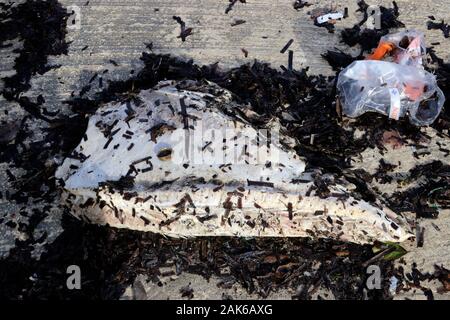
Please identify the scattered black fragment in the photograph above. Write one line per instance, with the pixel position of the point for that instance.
(428, 293)
(420, 235)
(345, 12)
(107, 143)
(237, 22)
(85, 89)
(444, 27)
(113, 62)
(290, 212)
(149, 46)
(436, 227)
(367, 38)
(187, 32)
(286, 46)
(187, 292)
(299, 4)
(423, 198)
(11, 177)
(147, 169)
(184, 32)
(338, 59)
(290, 60)
(231, 5)
(184, 113)
(93, 78)
(40, 99)
(8, 131)
(384, 168)
(260, 183)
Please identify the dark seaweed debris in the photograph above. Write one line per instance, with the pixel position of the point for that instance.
(444, 27)
(368, 38)
(32, 21)
(110, 259)
(299, 4)
(41, 26)
(286, 46)
(415, 279)
(231, 5)
(442, 71)
(338, 59)
(237, 22)
(432, 194)
(184, 32)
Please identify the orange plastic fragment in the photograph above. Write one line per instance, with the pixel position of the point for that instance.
(383, 49)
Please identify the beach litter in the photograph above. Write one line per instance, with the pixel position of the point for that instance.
(396, 88)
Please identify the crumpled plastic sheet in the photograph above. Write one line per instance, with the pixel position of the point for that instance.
(397, 88)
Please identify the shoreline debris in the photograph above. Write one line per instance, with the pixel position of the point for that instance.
(184, 32)
(444, 27)
(209, 196)
(231, 5)
(396, 89)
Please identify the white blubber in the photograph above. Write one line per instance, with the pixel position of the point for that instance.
(182, 160)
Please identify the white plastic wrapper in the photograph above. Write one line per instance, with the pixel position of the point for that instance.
(391, 89)
(330, 16)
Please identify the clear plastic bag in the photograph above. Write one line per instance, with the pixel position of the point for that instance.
(396, 87)
(407, 47)
(392, 89)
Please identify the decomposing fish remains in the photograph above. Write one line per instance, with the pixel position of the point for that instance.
(180, 159)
